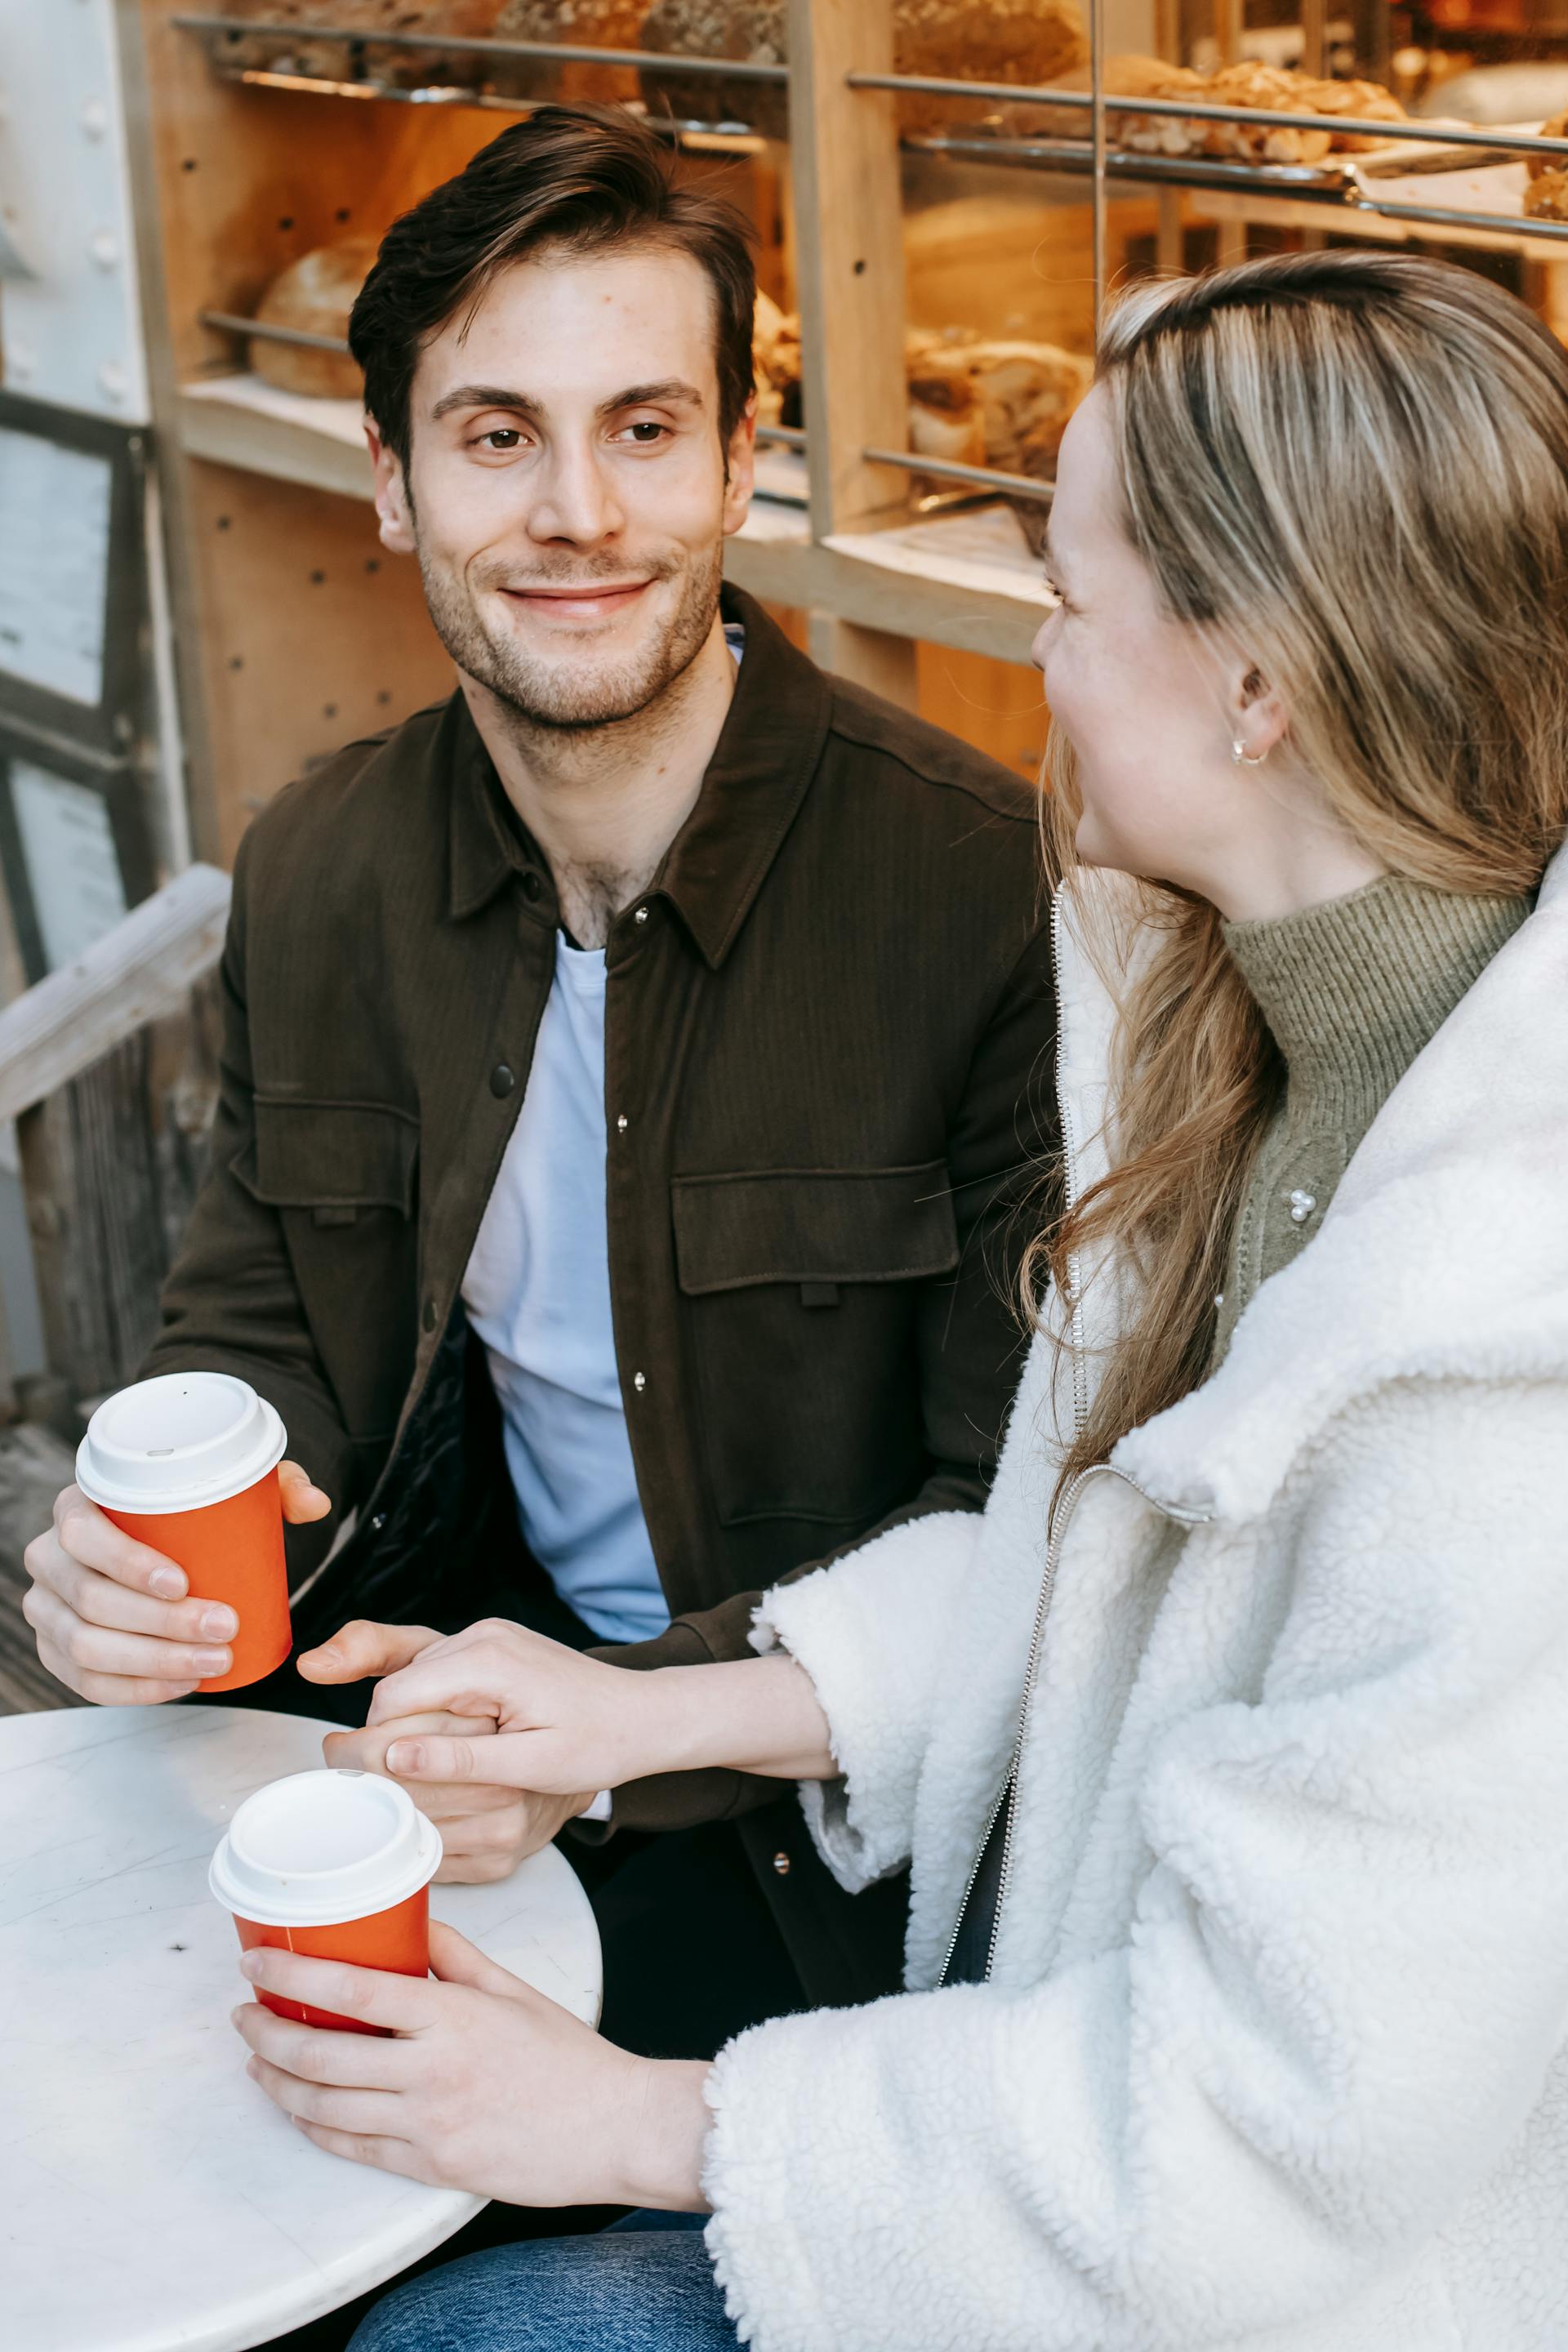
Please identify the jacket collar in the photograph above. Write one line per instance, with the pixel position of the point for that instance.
(763, 764)
(1443, 1255)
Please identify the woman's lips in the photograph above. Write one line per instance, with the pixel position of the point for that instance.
(586, 604)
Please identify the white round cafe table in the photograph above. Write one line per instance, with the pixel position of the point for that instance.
(151, 2197)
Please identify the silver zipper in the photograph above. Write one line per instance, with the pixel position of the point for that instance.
(1060, 1519)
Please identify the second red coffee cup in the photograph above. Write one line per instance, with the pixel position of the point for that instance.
(188, 1463)
(334, 1865)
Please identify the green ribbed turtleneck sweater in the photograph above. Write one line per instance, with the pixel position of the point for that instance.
(1351, 991)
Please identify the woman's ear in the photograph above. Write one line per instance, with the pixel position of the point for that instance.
(1259, 717)
(392, 503)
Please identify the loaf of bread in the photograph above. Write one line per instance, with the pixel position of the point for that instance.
(314, 295)
(1011, 399)
(337, 61)
(1021, 41)
(580, 23)
(1265, 89)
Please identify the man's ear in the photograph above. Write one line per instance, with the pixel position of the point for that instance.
(739, 459)
(392, 503)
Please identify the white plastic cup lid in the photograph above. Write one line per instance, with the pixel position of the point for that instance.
(178, 1443)
(321, 1847)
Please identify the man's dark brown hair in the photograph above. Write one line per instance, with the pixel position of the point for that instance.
(578, 179)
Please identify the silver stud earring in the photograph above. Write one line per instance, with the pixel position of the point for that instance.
(1247, 759)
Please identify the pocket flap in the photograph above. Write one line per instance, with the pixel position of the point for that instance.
(805, 1225)
(332, 1155)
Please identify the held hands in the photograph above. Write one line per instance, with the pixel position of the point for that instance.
(112, 1616)
(527, 1713)
(490, 1822)
(484, 2084)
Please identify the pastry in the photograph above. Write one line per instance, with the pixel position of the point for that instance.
(775, 354)
(1023, 41)
(316, 294)
(599, 23)
(1548, 167)
(329, 60)
(1267, 90)
(1546, 193)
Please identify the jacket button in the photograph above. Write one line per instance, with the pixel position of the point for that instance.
(377, 1524)
(639, 1382)
(532, 886)
(428, 1316)
(621, 1124)
(781, 1863)
(501, 1081)
(641, 915)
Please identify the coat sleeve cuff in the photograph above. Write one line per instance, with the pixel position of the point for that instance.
(870, 1631)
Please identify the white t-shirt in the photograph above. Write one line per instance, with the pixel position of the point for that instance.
(538, 1294)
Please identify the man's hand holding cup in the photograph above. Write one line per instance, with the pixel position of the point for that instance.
(113, 1619)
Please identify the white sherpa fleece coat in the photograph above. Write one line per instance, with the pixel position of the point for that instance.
(1273, 2053)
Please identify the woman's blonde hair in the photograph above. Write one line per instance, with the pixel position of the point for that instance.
(1352, 468)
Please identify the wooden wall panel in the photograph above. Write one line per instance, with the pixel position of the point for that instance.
(312, 634)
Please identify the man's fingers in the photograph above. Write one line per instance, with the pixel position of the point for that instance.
(99, 1600)
(302, 1499)
(366, 1752)
(361, 1648)
(107, 1690)
(428, 1758)
(98, 1650)
(81, 1531)
(379, 1996)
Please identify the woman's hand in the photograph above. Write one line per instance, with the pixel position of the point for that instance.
(485, 2085)
(542, 1716)
(487, 1828)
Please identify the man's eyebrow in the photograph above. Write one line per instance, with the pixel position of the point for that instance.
(670, 392)
(485, 395)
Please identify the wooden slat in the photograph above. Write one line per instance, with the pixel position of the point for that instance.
(142, 969)
(33, 1466)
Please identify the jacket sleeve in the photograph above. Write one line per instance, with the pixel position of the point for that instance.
(1336, 2011)
(1002, 1134)
(231, 1303)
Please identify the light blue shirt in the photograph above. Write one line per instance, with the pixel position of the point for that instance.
(538, 1294)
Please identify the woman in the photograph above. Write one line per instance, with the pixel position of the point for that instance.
(1231, 1746)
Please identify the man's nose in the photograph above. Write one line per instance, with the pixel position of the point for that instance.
(575, 501)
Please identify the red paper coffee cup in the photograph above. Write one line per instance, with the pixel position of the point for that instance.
(188, 1463)
(334, 1865)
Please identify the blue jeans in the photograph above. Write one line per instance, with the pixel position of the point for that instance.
(645, 2285)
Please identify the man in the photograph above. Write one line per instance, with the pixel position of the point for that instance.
(629, 1081)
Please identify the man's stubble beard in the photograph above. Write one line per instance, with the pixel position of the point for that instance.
(538, 694)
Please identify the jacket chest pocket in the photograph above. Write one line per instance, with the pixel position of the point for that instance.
(337, 1160)
(801, 1294)
(344, 1177)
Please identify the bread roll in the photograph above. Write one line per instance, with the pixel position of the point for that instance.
(981, 40)
(599, 23)
(1546, 193)
(1268, 89)
(336, 60)
(315, 294)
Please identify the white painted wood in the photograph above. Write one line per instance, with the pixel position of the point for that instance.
(152, 2195)
(141, 970)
